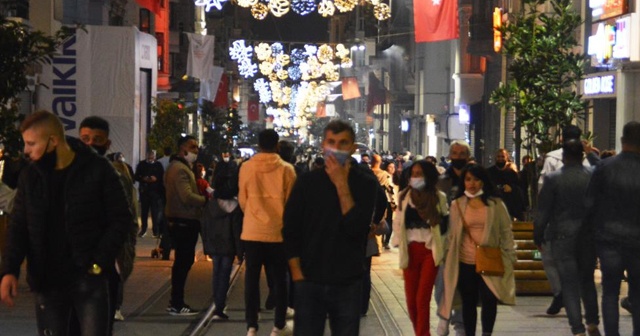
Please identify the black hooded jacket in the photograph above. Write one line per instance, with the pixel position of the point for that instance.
(97, 217)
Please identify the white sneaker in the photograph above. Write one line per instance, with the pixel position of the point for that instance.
(252, 332)
(118, 315)
(286, 331)
(290, 313)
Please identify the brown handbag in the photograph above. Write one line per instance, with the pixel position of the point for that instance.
(488, 258)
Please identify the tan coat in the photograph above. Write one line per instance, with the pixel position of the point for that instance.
(399, 237)
(183, 199)
(496, 233)
(264, 187)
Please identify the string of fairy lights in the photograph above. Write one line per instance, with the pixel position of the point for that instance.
(260, 9)
(291, 84)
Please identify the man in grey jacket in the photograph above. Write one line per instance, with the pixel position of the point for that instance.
(560, 222)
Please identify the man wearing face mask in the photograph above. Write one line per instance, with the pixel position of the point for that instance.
(327, 220)
(94, 132)
(459, 154)
(506, 181)
(149, 173)
(183, 211)
(70, 220)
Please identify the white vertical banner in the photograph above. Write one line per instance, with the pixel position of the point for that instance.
(209, 86)
(200, 58)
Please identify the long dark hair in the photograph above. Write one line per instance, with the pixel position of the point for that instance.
(479, 172)
(430, 173)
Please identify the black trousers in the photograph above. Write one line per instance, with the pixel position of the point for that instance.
(184, 235)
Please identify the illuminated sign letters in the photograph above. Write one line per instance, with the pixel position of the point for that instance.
(599, 85)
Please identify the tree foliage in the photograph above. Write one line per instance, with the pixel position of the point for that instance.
(170, 122)
(543, 71)
(222, 126)
(22, 50)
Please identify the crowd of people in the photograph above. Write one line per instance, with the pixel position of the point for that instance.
(312, 222)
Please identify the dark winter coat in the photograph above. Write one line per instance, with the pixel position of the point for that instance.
(96, 212)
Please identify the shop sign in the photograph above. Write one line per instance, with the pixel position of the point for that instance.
(605, 9)
(600, 85)
(612, 40)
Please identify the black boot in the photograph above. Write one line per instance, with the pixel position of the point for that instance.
(556, 305)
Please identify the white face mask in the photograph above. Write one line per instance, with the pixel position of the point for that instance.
(191, 157)
(417, 182)
(203, 174)
(470, 195)
(226, 159)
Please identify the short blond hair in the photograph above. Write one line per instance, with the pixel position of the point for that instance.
(44, 119)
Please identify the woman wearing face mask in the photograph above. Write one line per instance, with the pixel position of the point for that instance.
(416, 226)
(478, 217)
(203, 186)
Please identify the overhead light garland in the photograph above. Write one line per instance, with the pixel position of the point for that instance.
(260, 9)
(290, 84)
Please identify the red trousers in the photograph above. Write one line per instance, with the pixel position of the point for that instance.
(419, 278)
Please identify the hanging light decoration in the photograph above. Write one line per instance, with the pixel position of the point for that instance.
(345, 5)
(247, 3)
(259, 11)
(279, 7)
(382, 11)
(326, 8)
(261, 8)
(303, 7)
(291, 83)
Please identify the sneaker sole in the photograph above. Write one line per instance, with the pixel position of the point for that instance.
(182, 314)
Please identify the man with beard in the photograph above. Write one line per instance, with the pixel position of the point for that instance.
(506, 181)
(70, 220)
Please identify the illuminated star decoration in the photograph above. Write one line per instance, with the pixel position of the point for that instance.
(207, 4)
(290, 84)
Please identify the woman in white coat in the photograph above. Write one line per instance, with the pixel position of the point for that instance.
(477, 218)
(416, 226)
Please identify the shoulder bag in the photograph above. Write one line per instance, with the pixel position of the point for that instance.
(488, 258)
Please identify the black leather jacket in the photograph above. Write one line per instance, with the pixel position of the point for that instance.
(96, 212)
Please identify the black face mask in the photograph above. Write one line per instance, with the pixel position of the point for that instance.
(458, 163)
(500, 164)
(48, 160)
(102, 150)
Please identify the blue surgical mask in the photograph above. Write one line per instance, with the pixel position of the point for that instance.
(340, 155)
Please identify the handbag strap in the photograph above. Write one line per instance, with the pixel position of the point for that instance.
(465, 225)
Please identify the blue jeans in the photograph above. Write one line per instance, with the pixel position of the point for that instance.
(614, 260)
(221, 275)
(575, 259)
(272, 255)
(85, 302)
(315, 301)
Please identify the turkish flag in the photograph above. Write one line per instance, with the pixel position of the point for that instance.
(222, 99)
(435, 20)
(377, 93)
(152, 5)
(350, 88)
(253, 110)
